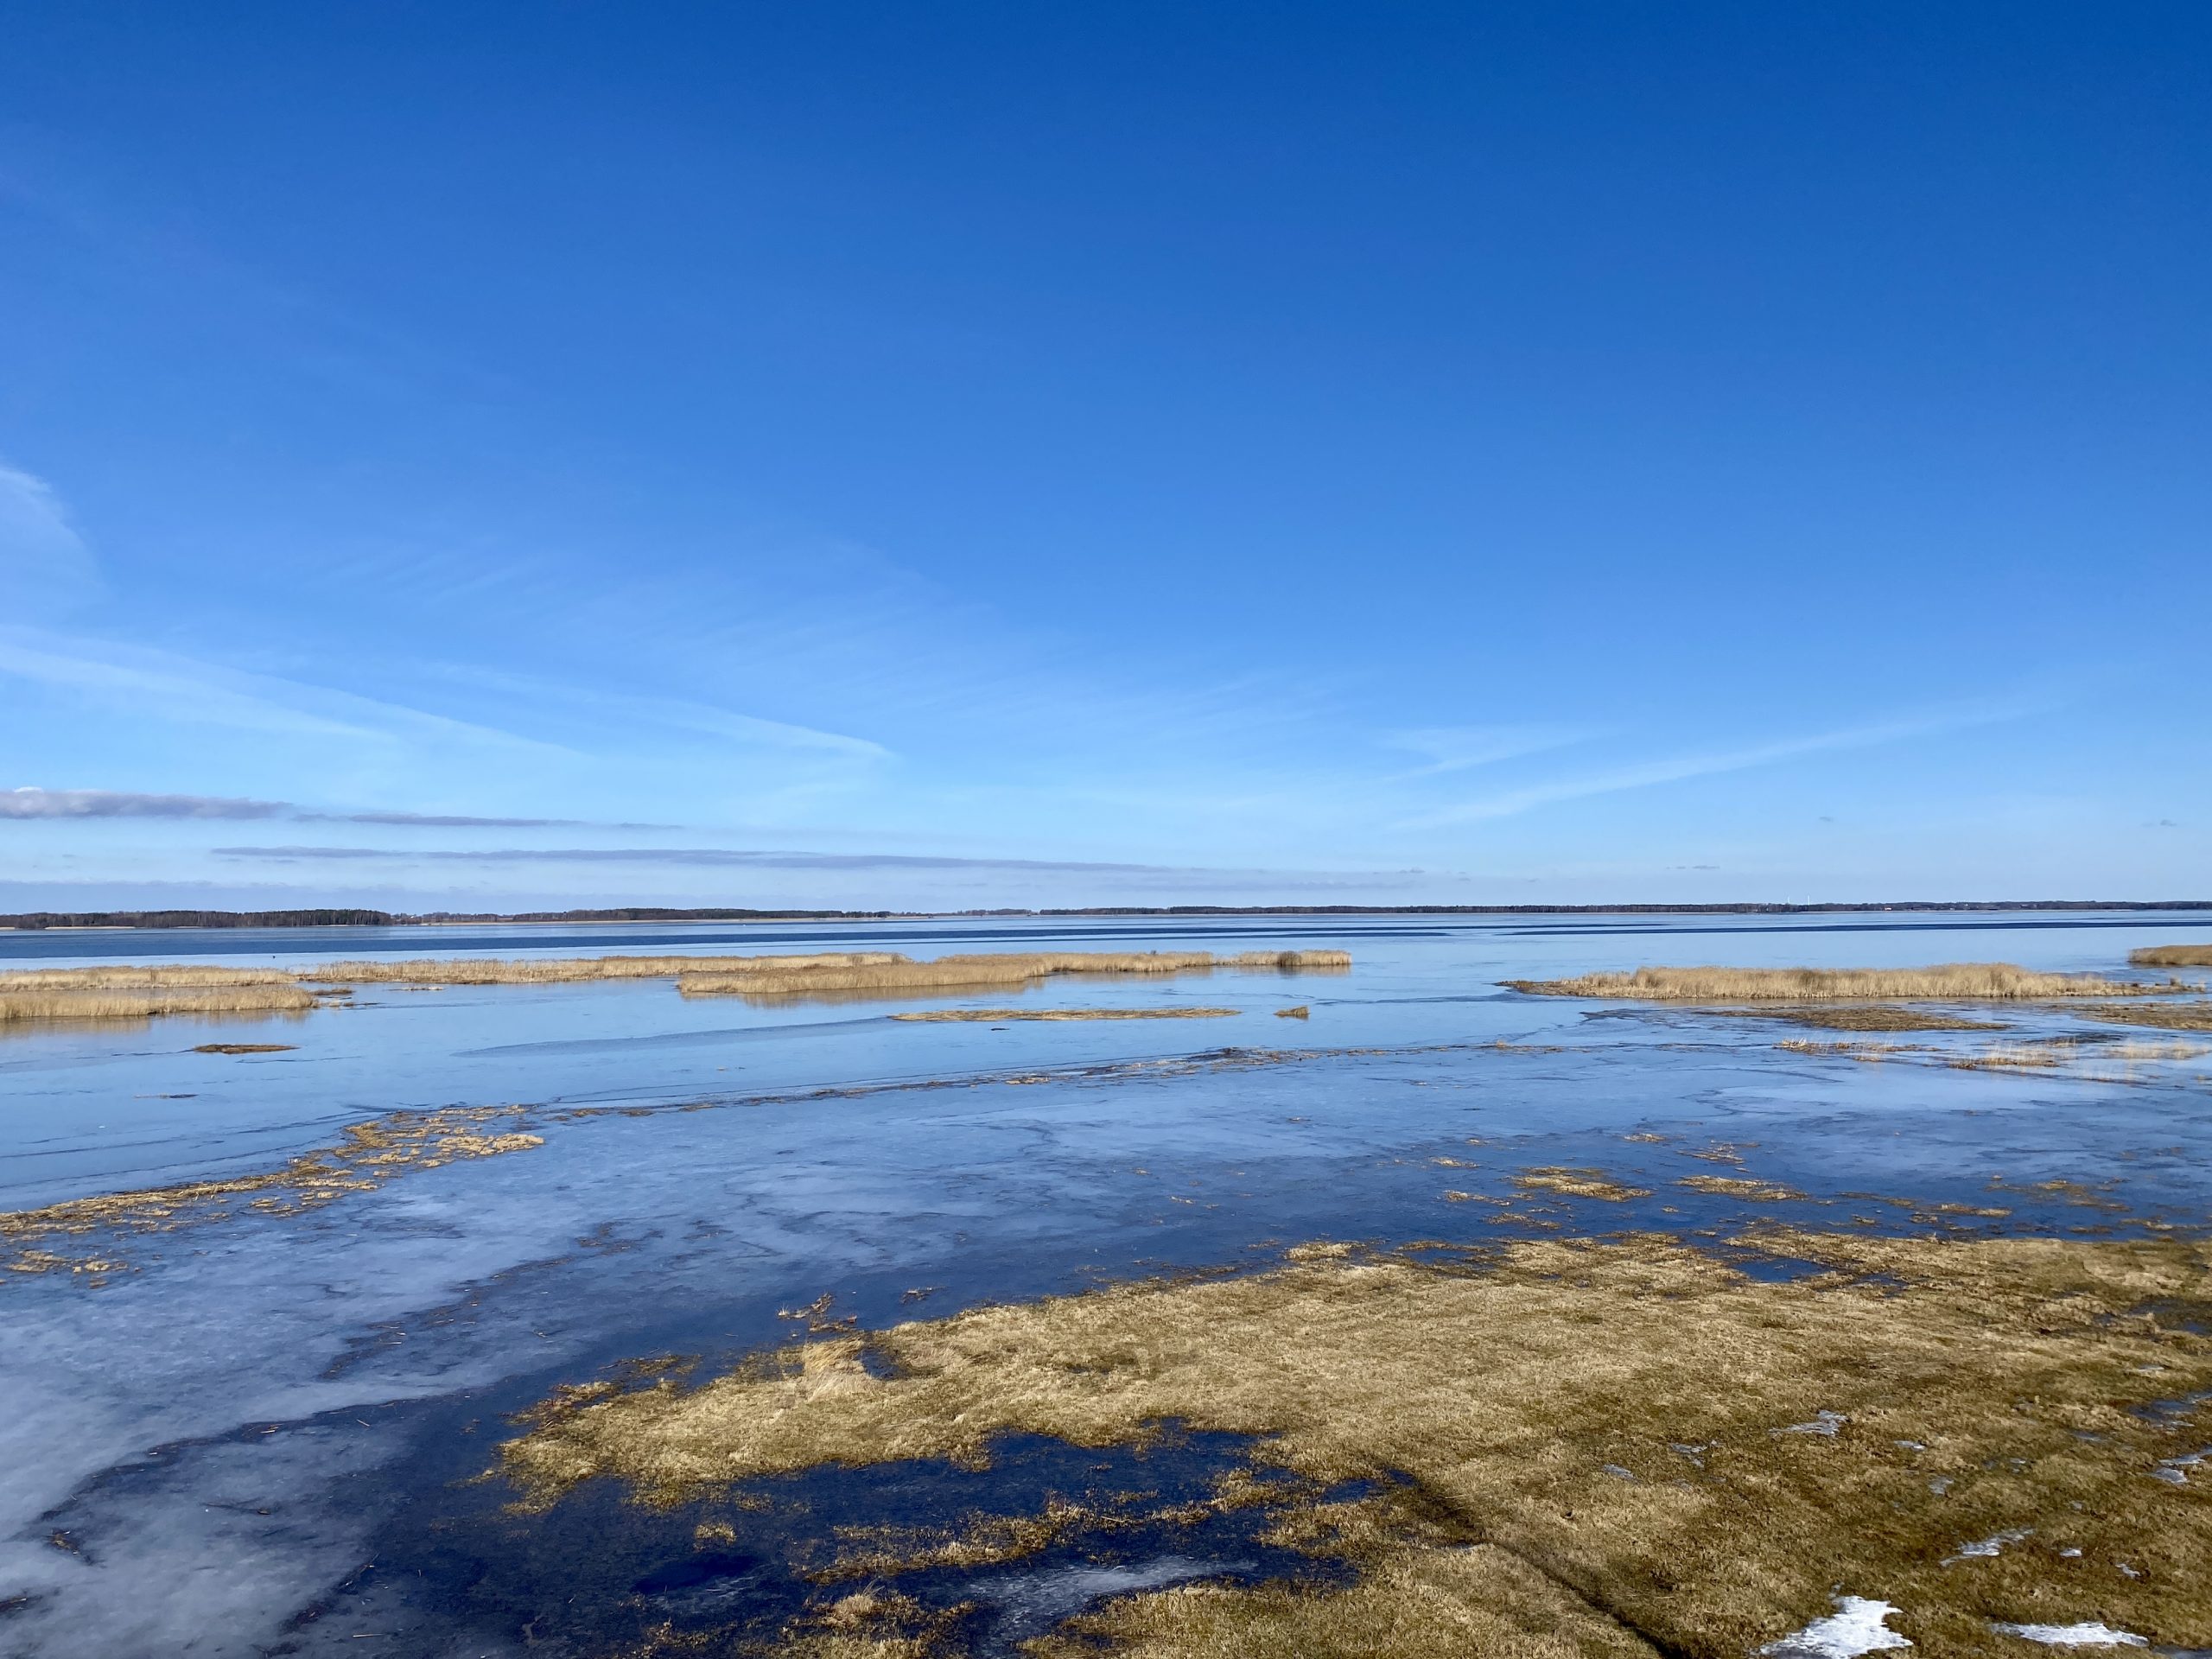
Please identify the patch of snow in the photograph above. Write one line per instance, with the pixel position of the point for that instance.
(2073, 1635)
(1618, 1472)
(1940, 1485)
(1858, 1625)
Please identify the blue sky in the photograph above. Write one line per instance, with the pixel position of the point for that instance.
(956, 455)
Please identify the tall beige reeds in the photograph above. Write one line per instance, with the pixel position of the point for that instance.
(493, 970)
(1964, 981)
(2172, 955)
(133, 978)
(19, 1006)
(959, 972)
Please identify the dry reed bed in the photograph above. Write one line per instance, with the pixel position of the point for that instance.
(104, 993)
(25, 1006)
(2172, 955)
(160, 976)
(1618, 1446)
(993, 1016)
(1004, 969)
(1956, 982)
(494, 970)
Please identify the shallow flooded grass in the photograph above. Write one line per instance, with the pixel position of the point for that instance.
(365, 1157)
(1958, 982)
(1628, 1441)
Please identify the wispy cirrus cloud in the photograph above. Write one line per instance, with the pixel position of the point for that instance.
(33, 803)
(773, 859)
(45, 566)
(1708, 763)
(1457, 748)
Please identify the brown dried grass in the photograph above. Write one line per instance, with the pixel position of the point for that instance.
(493, 970)
(1004, 969)
(993, 1016)
(1956, 982)
(2171, 955)
(2167, 1016)
(161, 977)
(151, 1002)
(1621, 1439)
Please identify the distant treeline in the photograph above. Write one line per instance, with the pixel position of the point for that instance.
(658, 913)
(203, 918)
(35, 919)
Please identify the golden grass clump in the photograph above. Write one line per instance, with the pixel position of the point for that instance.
(1955, 981)
(496, 970)
(2171, 955)
(1739, 1186)
(1579, 1183)
(368, 1155)
(152, 1001)
(1001, 969)
(1621, 1446)
(994, 1016)
(125, 977)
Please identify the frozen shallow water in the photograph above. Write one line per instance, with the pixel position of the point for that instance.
(212, 1452)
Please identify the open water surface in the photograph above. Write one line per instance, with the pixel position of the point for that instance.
(262, 1435)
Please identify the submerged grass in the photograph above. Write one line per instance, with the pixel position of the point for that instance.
(2166, 1016)
(1956, 982)
(995, 1015)
(367, 1155)
(1865, 1016)
(1622, 1445)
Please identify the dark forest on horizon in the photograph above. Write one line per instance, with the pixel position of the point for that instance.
(34, 921)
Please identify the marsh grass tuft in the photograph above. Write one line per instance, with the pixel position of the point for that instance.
(2171, 955)
(152, 1001)
(1606, 1436)
(997, 1016)
(1739, 1186)
(1006, 968)
(1579, 1183)
(496, 970)
(1957, 982)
